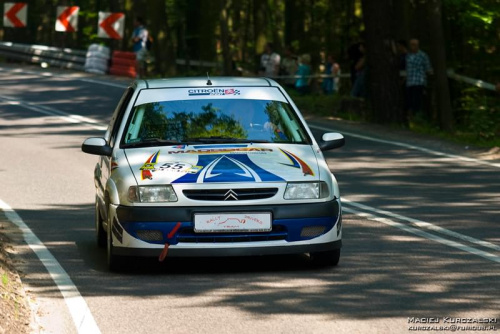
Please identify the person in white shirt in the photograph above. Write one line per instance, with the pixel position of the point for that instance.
(270, 62)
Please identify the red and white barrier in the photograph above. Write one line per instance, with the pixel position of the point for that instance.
(123, 64)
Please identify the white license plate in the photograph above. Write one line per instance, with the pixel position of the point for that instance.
(232, 222)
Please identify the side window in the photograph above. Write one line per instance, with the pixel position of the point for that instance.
(118, 115)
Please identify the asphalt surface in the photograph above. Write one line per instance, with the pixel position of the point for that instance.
(421, 233)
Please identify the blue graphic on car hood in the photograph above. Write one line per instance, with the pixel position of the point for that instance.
(228, 168)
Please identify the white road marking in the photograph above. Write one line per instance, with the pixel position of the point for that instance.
(426, 225)
(23, 71)
(106, 83)
(78, 308)
(412, 147)
(70, 118)
(423, 234)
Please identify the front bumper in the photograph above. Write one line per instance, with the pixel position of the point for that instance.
(230, 251)
(174, 226)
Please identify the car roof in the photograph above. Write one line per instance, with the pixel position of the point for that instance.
(202, 82)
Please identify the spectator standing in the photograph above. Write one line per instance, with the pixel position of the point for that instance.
(289, 67)
(358, 88)
(330, 85)
(140, 37)
(303, 71)
(355, 55)
(417, 68)
(270, 61)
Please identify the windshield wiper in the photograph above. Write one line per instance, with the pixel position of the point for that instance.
(219, 140)
(156, 141)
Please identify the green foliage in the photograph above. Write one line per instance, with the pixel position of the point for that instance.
(480, 113)
(478, 119)
(473, 28)
(191, 29)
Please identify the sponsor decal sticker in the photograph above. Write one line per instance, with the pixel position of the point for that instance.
(213, 91)
(296, 162)
(224, 150)
(149, 166)
(180, 167)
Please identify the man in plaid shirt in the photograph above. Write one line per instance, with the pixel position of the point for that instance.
(417, 68)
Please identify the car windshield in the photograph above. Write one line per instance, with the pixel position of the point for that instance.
(213, 121)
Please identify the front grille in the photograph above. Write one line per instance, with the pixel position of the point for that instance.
(244, 194)
(312, 231)
(150, 235)
(188, 235)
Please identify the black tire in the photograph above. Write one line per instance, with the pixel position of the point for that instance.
(114, 261)
(326, 259)
(100, 234)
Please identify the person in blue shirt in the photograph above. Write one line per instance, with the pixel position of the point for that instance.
(304, 71)
(140, 38)
(417, 68)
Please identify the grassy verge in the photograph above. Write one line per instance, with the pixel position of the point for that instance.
(329, 105)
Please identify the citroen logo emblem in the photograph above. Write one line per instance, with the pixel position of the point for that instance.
(230, 195)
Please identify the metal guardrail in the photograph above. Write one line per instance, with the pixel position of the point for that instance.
(59, 57)
(471, 81)
(451, 74)
(200, 63)
(312, 76)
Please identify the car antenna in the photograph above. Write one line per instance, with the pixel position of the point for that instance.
(209, 82)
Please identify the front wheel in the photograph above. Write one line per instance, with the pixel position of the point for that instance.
(326, 259)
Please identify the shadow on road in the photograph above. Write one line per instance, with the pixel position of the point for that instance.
(383, 272)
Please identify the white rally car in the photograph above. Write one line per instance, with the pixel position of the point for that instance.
(227, 167)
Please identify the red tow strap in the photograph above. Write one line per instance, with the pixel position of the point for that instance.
(164, 253)
(170, 235)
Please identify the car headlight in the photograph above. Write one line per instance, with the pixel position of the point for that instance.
(306, 190)
(152, 194)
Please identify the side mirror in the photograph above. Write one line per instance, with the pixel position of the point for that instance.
(97, 146)
(331, 140)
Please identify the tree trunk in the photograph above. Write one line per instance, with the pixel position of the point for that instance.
(259, 25)
(294, 24)
(383, 82)
(247, 52)
(224, 37)
(438, 59)
(403, 15)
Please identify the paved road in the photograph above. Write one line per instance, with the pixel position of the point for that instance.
(421, 233)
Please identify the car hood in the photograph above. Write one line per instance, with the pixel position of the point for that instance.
(223, 163)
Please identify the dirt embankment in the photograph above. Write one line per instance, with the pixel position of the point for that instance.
(15, 312)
